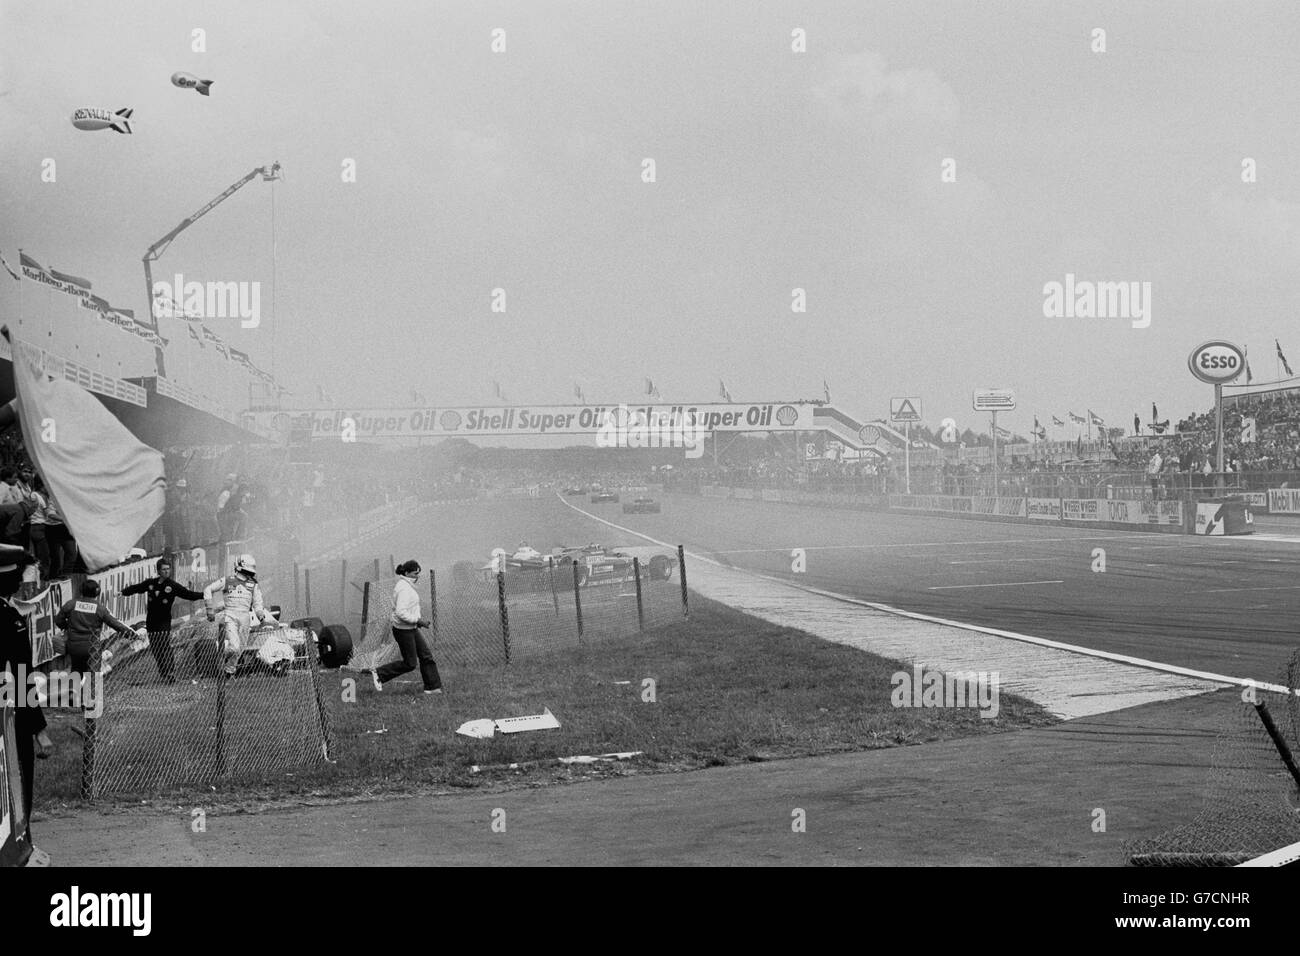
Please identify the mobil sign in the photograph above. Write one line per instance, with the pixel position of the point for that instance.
(1216, 362)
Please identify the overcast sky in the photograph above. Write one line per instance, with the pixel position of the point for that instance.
(775, 170)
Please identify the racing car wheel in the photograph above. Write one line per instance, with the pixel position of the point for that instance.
(661, 569)
(335, 644)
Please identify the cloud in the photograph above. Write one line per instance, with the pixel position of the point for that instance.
(858, 86)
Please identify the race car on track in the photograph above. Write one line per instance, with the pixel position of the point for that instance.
(601, 497)
(641, 506)
(575, 490)
(530, 570)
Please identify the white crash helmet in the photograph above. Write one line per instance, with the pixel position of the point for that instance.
(246, 564)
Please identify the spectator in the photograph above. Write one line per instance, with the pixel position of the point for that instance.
(1153, 473)
(9, 493)
(40, 544)
(16, 658)
(14, 522)
(63, 547)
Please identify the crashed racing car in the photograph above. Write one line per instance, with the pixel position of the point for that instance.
(528, 569)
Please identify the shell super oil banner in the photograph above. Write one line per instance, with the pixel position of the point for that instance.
(14, 849)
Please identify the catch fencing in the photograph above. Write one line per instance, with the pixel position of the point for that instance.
(162, 715)
(485, 618)
(1252, 797)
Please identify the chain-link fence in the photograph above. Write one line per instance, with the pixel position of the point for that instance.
(483, 617)
(1252, 804)
(163, 715)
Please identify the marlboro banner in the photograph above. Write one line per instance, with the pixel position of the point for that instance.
(618, 421)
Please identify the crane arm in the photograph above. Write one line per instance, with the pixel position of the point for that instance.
(159, 247)
(268, 173)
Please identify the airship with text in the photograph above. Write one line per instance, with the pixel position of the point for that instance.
(90, 119)
(188, 81)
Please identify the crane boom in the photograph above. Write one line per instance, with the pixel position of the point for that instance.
(268, 174)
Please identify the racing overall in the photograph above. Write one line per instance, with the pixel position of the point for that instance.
(241, 602)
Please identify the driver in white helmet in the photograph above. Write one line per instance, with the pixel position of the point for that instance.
(241, 602)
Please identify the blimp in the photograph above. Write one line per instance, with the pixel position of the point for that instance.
(89, 118)
(187, 81)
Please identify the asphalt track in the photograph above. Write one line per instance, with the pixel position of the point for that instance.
(1225, 605)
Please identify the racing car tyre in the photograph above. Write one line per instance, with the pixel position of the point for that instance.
(335, 644)
(661, 569)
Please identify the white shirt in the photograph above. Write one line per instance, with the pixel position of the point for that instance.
(406, 605)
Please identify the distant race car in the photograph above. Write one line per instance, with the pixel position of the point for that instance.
(530, 570)
(642, 506)
(602, 497)
(575, 490)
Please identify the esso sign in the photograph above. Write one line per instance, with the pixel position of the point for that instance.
(1217, 362)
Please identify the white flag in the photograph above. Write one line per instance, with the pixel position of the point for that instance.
(109, 485)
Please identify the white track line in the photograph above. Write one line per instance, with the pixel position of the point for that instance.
(1007, 584)
(995, 561)
(996, 632)
(1285, 587)
(920, 544)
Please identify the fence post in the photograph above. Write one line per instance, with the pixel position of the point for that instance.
(505, 615)
(365, 607)
(88, 747)
(681, 567)
(343, 592)
(376, 567)
(222, 679)
(306, 583)
(433, 603)
(555, 597)
(577, 600)
(296, 605)
(640, 609)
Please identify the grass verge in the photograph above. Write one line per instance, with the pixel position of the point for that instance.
(727, 688)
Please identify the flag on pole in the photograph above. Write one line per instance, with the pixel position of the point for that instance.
(722, 391)
(1246, 352)
(1282, 358)
(1077, 419)
(322, 396)
(27, 262)
(1057, 422)
(71, 280)
(577, 393)
(196, 337)
(16, 276)
(109, 485)
(1094, 419)
(649, 387)
(827, 390)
